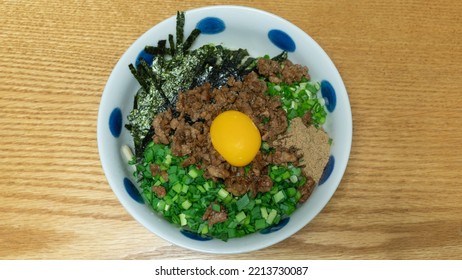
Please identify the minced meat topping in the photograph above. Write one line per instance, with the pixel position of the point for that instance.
(186, 128)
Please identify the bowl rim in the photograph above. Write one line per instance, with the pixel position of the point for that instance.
(101, 123)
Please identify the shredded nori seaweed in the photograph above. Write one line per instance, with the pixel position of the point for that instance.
(176, 69)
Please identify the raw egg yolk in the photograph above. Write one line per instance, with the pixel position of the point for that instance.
(235, 137)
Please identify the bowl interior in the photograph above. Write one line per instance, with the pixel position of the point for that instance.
(238, 30)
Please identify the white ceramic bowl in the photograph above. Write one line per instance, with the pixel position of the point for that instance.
(234, 27)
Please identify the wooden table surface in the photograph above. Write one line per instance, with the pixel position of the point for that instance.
(400, 198)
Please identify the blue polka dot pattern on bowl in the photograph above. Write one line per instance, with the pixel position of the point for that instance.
(327, 170)
(282, 40)
(195, 236)
(149, 58)
(132, 191)
(211, 25)
(277, 227)
(115, 122)
(328, 92)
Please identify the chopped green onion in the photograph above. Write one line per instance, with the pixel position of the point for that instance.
(216, 207)
(264, 212)
(298, 195)
(291, 192)
(277, 219)
(242, 202)
(246, 221)
(183, 220)
(271, 216)
(279, 196)
(260, 224)
(201, 189)
(299, 98)
(161, 205)
(296, 171)
(293, 179)
(240, 217)
(168, 160)
(158, 183)
(203, 228)
(255, 212)
(222, 193)
(207, 186)
(184, 189)
(233, 224)
(193, 172)
(232, 232)
(177, 187)
(250, 205)
(186, 204)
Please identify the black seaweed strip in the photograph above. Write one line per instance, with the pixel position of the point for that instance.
(180, 20)
(172, 44)
(151, 50)
(191, 38)
(280, 57)
(138, 74)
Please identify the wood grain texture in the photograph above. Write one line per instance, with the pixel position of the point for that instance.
(400, 198)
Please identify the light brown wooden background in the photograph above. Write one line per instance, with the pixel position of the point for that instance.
(401, 196)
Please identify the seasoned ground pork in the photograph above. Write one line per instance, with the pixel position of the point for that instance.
(186, 128)
(213, 216)
(188, 134)
(285, 72)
